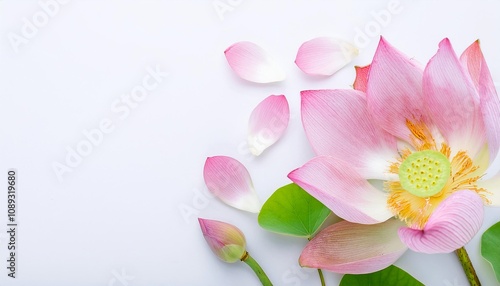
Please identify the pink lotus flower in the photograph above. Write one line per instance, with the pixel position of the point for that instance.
(428, 133)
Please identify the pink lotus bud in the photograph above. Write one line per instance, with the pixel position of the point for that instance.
(225, 240)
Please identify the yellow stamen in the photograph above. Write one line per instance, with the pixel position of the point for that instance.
(394, 167)
(445, 149)
(415, 210)
(421, 137)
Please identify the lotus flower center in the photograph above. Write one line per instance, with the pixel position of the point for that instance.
(424, 173)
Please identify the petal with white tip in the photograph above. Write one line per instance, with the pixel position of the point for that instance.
(325, 55)
(343, 190)
(230, 181)
(267, 123)
(251, 62)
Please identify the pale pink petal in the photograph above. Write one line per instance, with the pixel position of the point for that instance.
(343, 190)
(452, 225)
(267, 123)
(324, 55)
(492, 186)
(337, 124)
(230, 181)
(490, 110)
(394, 91)
(471, 59)
(453, 102)
(361, 80)
(351, 248)
(253, 63)
(226, 241)
(474, 61)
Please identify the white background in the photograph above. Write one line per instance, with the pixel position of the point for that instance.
(116, 218)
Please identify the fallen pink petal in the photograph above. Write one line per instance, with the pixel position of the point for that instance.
(251, 62)
(429, 133)
(325, 56)
(227, 179)
(226, 241)
(267, 123)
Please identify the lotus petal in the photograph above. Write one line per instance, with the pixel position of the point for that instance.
(251, 62)
(324, 55)
(230, 181)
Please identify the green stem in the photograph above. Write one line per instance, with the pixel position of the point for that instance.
(467, 266)
(321, 277)
(257, 269)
